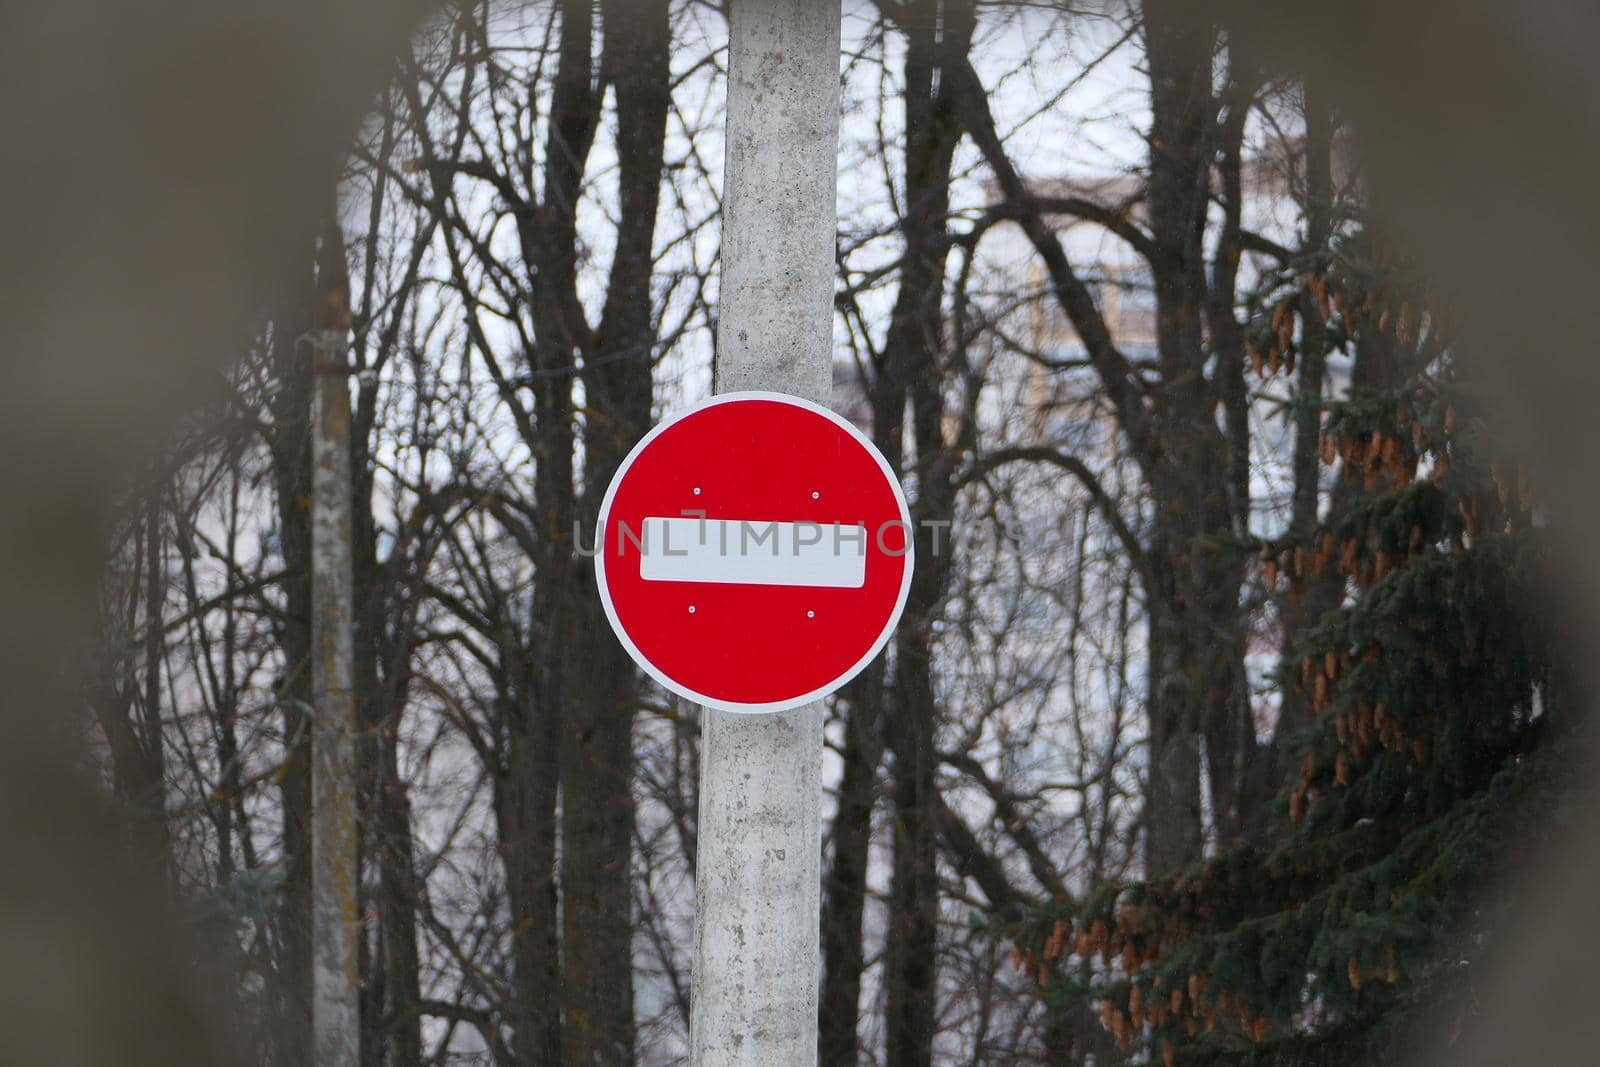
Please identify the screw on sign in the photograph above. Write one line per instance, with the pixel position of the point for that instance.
(754, 552)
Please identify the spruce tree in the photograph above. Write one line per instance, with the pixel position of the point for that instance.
(1434, 749)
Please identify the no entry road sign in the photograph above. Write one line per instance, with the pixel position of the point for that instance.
(754, 552)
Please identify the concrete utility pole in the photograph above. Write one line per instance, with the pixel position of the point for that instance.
(757, 904)
(335, 1017)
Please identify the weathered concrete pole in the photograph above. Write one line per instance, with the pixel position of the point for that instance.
(335, 1021)
(758, 873)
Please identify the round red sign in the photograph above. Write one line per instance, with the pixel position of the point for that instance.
(754, 553)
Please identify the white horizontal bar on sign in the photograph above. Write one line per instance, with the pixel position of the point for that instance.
(753, 552)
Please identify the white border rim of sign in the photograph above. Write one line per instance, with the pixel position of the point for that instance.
(845, 676)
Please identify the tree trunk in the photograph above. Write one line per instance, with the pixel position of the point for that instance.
(1197, 688)
(550, 251)
(938, 36)
(525, 812)
(597, 740)
(290, 443)
(1302, 607)
(335, 855)
(845, 889)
